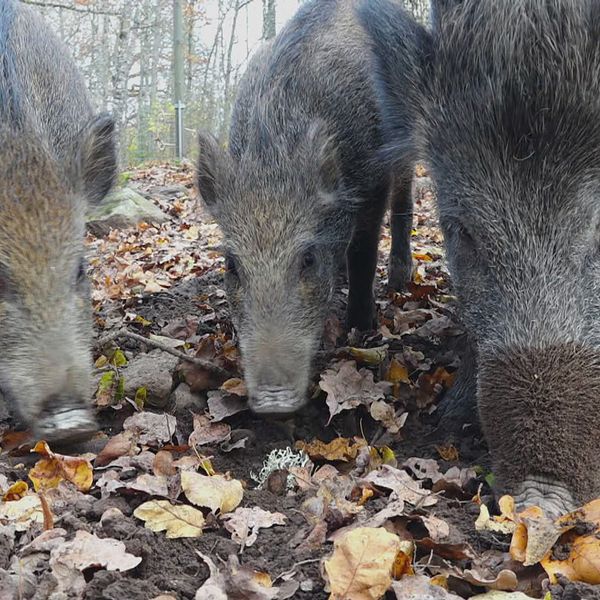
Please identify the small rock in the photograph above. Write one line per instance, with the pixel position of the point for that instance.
(123, 208)
(170, 191)
(183, 399)
(153, 371)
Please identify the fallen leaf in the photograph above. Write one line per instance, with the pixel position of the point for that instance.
(163, 464)
(87, 550)
(448, 453)
(122, 444)
(48, 472)
(387, 415)
(221, 406)
(235, 386)
(403, 486)
(495, 595)
(215, 492)
(179, 521)
(397, 372)
(207, 432)
(361, 565)
(368, 356)
(347, 387)
(244, 523)
(22, 513)
(151, 428)
(505, 580)
(342, 449)
(420, 588)
(16, 491)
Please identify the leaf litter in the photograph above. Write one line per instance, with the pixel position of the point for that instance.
(204, 500)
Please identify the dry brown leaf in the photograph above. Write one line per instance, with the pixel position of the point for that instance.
(215, 492)
(403, 486)
(387, 415)
(347, 387)
(163, 464)
(448, 453)
(506, 580)
(87, 550)
(397, 372)
(361, 565)
(122, 444)
(342, 449)
(48, 472)
(151, 429)
(236, 581)
(244, 523)
(207, 432)
(179, 521)
(235, 386)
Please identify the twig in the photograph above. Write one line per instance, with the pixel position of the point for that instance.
(216, 370)
(89, 11)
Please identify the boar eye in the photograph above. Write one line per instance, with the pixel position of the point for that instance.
(230, 265)
(308, 260)
(81, 271)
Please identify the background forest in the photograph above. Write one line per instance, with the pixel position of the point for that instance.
(125, 50)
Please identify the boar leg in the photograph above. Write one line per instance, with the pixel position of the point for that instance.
(362, 260)
(400, 265)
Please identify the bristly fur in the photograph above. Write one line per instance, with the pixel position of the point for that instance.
(302, 179)
(55, 157)
(510, 127)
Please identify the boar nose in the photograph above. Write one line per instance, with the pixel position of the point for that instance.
(66, 419)
(274, 400)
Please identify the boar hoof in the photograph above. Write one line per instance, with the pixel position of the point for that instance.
(361, 316)
(400, 274)
(275, 401)
(553, 498)
(68, 425)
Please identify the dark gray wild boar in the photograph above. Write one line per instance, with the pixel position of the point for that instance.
(55, 157)
(299, 182)
(511, 131)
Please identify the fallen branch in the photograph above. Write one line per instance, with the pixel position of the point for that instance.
(123, 333)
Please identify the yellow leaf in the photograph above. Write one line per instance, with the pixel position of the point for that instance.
(369, 356)
(263, 579)
(16, 491)
(422, 256)
(404, 559)
(397, 372)
(48, 472)
(101, 361)
(216, 492)
(579, 553)
(179, 521)
(339, 449)
(448, 453)
(362, 563)
(235, 386)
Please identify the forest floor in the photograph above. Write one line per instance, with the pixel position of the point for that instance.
(185, 494)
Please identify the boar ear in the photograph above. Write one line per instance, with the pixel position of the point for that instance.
(98, 158)
(325, 149)
(212, 166)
